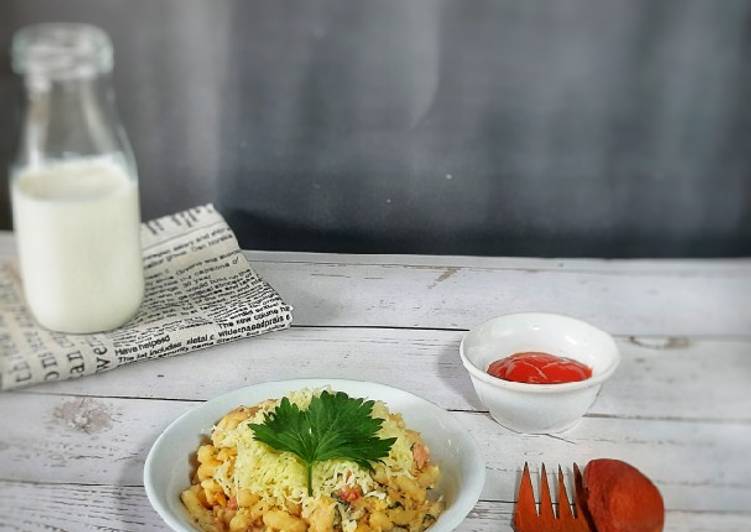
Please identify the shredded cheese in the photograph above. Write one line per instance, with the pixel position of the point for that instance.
(279, 476)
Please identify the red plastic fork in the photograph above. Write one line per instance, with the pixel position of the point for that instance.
(526, 518)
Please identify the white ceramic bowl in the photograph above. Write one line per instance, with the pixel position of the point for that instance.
(538, 408)
(167, 469)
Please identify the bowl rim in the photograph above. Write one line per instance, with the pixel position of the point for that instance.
(594, 380)
(469, 494)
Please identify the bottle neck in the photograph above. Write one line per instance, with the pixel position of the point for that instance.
(69, 118)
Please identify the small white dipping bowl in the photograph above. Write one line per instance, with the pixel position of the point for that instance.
(538, 408)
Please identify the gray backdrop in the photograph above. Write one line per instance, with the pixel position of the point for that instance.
(534, 127)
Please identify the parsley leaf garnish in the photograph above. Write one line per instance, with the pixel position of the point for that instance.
(335, 426)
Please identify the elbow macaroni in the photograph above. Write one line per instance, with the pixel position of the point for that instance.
(240, 485)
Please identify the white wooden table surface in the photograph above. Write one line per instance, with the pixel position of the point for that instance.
(679, 408)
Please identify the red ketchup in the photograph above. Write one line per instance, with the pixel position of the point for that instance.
(539, 368)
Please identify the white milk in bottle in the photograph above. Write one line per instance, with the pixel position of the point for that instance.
(74, 184)
(77, 227)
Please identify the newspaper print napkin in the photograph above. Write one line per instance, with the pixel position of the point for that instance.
(200, 291)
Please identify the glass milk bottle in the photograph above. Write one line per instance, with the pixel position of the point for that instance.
(73, 184)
